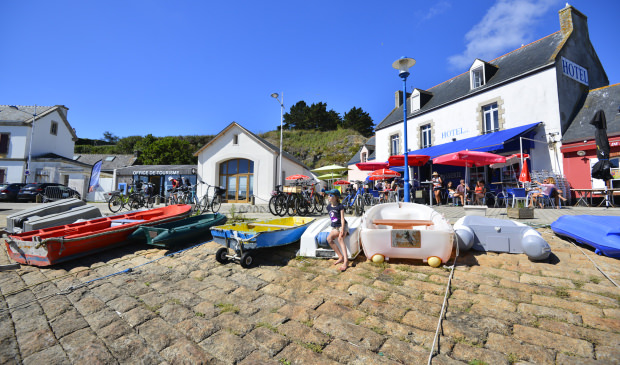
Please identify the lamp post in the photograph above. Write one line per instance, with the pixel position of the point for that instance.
(275, 96)
(34, 117)
(402, 65)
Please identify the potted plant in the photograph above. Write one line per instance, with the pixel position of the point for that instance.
(520, 211)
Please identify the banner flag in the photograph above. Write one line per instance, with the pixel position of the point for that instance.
(94, 176)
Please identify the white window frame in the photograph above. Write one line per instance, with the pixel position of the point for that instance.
(480, 72)
(394, 144)
(490, 111)
(425, 136)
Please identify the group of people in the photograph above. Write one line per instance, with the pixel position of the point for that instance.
(460, 191)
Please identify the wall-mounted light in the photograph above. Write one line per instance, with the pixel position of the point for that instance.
(581, 153)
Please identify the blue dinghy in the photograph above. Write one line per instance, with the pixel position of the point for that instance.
(600, 232)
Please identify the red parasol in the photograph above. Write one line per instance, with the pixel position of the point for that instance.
(524, 176)
(510, 160)
(298, 177)
(371, 166)
(412, 160)
(469, 159)
(383, 174)
(342, 182)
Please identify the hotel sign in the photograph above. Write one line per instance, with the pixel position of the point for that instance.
(574, 71)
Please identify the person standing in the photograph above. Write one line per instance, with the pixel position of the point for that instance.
(437, 186)
(339, 229)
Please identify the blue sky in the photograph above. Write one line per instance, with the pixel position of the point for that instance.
(183, 67)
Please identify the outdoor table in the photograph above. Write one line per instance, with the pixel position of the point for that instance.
(430, 190)
(583, 194)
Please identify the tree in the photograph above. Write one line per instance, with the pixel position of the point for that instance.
(127, 145)
(357, 119)
(297, 116)
(321, 119)
(167, 151)
(110, 137)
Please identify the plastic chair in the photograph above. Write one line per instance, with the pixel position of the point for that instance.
(517, 194)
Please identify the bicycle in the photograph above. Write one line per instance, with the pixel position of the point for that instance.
(142, 198)
(274, 207)
(355, 202)
(216, 201)
(118, 201)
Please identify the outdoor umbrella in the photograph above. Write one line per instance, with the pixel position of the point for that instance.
(469, 159)
(330, 176)
(383, 174)
(510, 160)
(412, 160)
(524, 176)
(342, 182)
(371, 166)
(601, 169)
(298, 177)
(329, 169)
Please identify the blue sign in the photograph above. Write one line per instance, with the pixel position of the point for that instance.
(574, 71)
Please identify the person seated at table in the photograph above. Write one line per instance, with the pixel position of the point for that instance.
(547, 188)
(437, 187)
(558, 192)
(479, 192)
(450, 189)
(461, 191)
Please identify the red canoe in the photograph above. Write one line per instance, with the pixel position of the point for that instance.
(52, 245)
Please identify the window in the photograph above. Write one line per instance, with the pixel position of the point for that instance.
(425, 136)
(394, 145)
(477, 78)
(235, 139)
(363, 159)
(110, 158)
(54, 128)
(490, 118)
(415, 102)
(2, 175)
(4, 143)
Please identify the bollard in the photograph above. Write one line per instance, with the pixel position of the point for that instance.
(38, 198)
(157, 201)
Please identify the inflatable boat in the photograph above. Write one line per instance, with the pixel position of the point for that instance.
(600, 232)
(314, 240)
(500, 235)
(406, 230)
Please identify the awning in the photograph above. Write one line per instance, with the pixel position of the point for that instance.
(484, 143)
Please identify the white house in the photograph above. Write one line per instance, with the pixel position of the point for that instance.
(366, 153)
(48, 139)
(532, 92)
(245, 165)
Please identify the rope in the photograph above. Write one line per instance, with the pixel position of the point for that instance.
(595, 265)
(443, 306)
(72, 288)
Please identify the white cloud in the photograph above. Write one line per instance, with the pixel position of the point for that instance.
(505, 26)
(438, 8)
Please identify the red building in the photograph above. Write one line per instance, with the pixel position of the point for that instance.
(578, 145)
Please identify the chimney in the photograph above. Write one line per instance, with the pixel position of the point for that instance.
(571, 20)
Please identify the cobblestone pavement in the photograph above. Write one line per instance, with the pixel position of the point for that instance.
(187, 308)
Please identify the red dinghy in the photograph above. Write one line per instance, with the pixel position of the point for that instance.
(52, 245)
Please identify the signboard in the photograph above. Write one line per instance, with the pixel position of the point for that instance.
(405, 238)
(574, 71)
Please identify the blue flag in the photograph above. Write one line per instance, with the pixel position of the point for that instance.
(94, 176)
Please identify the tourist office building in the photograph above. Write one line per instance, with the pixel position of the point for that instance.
(526, 99)
(244, 165)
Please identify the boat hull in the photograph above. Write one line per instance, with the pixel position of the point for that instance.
(600, 232)
(168, 235)
(54, 245)
(261, 234)
(420, 242)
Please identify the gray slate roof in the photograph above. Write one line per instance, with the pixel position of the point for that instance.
(520, 61)
(107, 166)
(56, 157)
(370, 146)
(606, 98)
(8, 114)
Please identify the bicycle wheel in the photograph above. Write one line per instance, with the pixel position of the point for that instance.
(319, 204)
(115, 203)
(216, 203)
(359, 207)
(291, 205)
(203, 205)
(272, 204)
(134, 202)
(281, 205)
(150, 202)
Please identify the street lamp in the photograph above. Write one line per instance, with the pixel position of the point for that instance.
(34, 117)
(402, 65)
(275, 96)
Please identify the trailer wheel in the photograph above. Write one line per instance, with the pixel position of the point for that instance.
(246, 260)
(220, 255)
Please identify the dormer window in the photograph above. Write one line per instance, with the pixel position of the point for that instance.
(364, 157)
(415, 102)
(480, 73)
(477, 77)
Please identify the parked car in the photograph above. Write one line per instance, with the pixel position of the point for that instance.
(30, 191)
(52, 193)
(8, 191)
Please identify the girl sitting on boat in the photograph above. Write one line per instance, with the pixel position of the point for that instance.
(339, 229)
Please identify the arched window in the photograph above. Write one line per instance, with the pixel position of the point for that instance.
(237, 179)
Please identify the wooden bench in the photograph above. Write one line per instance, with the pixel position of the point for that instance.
(402, 223)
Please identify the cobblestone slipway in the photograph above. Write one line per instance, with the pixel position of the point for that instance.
(189, 309)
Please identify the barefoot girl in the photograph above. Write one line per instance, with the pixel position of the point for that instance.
(339, 229)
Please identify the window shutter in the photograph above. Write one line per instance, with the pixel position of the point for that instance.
(4, 143)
